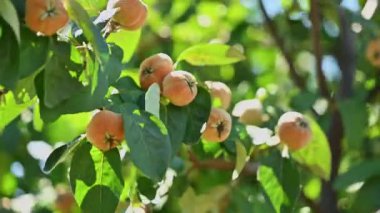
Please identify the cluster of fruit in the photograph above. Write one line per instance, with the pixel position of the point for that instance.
(292, 130)
(180, 88)
(105, 130)
(48, 16)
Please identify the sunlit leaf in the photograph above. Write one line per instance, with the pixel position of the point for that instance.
(280, 180)
(61, 153)
(316, 156)
(127, 40)
(58, 84)
(241, 159)
(9, 14)
(78, 14)
(96, 178)
(10, 110)
(211, 54)
(152, 100)
(93, 6)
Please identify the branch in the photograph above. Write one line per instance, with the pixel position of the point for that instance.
(316, 37)
(297, 79)
(346, 55)
(250, 168)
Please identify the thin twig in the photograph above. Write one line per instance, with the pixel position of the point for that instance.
(316, 37)
(297, 79)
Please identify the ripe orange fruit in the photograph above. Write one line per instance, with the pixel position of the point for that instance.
(221, 92)
(218, 126)
(131, 15)
(250, 112)
(180, 87)
(293, 130)
(105, 130)
(373, 52)
(65, 202)
(154, 69)
(45, 16)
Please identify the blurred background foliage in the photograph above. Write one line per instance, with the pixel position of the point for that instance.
(286, 30)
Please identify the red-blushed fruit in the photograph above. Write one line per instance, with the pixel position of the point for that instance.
(180, 87)
(293, 130)
(154, 69)
(218, 126)
(105, 130)
(65, 201)
(250, 112)
(373, 52)
(45, 16)
(221, 92)
(132, 14)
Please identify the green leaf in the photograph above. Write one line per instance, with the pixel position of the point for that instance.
(9, 56)
(146, 187)
(211, 54)
(128, 89)
(83, 100)
(241, 159)
(10, 109)
(280, 180)
(9, 14)
(178, 8)
(190, 202)
(358, 173)
(61, 153)
(198, 112)
(8, 184)
(355, 117)
(93, 7)
(96, 178)
(148, 140)
(38, 124)
(367, 198)
(58, 83)
(316, 156)
(303, 101)
(187, 201)
(152, 100)
(114, 66)
(127, 40)
(175, 119)
(33, 52)
(78, 14)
